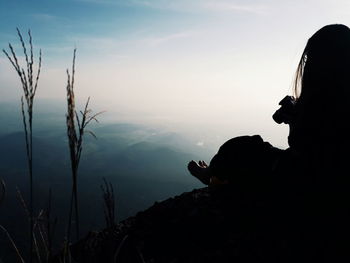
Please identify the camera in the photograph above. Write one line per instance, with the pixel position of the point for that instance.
(286, 113)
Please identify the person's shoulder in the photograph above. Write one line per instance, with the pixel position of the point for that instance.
(247, 143)
(247, 140)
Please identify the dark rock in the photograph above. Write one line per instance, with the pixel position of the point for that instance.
(221, 224)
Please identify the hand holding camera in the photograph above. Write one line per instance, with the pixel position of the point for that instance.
(286, 113)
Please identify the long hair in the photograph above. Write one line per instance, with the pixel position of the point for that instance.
(322, 81)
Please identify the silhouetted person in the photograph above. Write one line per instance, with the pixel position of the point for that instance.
(318, 118)
(309, 182)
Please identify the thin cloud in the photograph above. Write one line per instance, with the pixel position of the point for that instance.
(44, 17)
(179, 5)
(98, 42)
(200, 144)
(235, 7)
(156, 41)
(106, 2)
(109, 43)
(200, 5)
(188, 5)
(97, 1)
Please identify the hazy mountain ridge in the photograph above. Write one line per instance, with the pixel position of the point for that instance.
(144, 164)
(113, 157)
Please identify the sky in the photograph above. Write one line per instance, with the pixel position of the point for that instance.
(213, 67)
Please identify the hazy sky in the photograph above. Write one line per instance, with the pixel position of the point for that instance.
(215, 66)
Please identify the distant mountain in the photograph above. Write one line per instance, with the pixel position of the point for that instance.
(119, 155)
(144, 164)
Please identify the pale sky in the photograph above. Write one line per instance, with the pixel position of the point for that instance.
(216, 67)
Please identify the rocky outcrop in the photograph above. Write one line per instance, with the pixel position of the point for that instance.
(219, 224)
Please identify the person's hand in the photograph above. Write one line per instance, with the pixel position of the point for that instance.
(199, 170)
(202, 164)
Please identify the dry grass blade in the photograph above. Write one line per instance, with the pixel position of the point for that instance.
(29, 87)
(74, 148)
(50, 228)
(43, 238)
(36, 247)
(139, 253)
(75, 132)
(121, 245)
(109, 203)
(2, 190)
(35, 222)
(12, 243)
(37, 74)
(66, 257)
(26, 133)
(45, 231)
(92, 134)
(23, 203)
(29, 65)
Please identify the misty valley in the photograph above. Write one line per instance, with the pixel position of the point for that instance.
(143, 164)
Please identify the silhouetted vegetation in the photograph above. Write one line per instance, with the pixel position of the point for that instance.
(29, 85)
(41, 227)
(119, 155)
(76, 128)
(2, 191)
(109, 203)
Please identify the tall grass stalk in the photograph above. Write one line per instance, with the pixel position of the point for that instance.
(12, 243)
(42, 234)
(109, 203)
(2, 190)
(76, 128)
(29, 81)
(49, 228)
(27, 211)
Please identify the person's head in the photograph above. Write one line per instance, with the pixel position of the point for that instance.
(322, 88)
